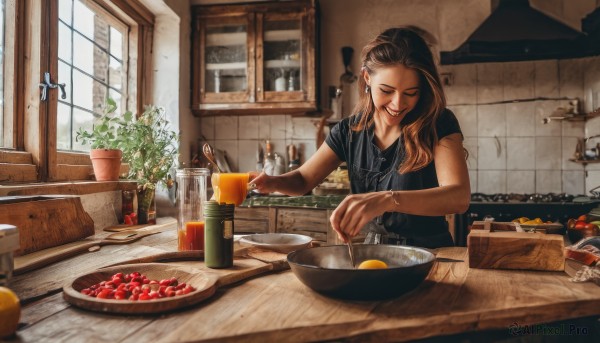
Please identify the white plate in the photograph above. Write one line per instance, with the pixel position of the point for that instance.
(280, 242)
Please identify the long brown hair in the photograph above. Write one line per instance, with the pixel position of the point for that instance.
(405, 46)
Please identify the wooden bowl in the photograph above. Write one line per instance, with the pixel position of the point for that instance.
(203, 282)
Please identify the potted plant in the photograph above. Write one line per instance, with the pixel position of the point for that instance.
(104, 140)
(150, 149)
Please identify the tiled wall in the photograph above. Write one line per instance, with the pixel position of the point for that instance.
(240, 136)
(500, 107)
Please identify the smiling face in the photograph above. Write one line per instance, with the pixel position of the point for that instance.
(395, 91)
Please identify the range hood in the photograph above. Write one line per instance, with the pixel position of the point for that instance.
(515, 31)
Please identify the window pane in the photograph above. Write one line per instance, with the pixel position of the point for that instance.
(63, 133)
(88, 93)
(64, 76)
(65, 7)
(89, 58)
(115, 74)
(83, 20)
(81, 119)
(64, 42)
(116, 43)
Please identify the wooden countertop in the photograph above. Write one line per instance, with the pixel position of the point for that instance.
(278, 307)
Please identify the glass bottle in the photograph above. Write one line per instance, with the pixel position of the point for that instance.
(191, 196)
(218, 234)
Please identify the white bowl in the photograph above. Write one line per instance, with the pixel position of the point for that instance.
(280, 242)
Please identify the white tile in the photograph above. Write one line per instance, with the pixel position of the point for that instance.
(548, 181)
(470, 144)
(546, 78)
(571, 78)
(306, 148)
(289, 126)
(467, 119)
(491, 153)
(548, 153)
(248, 127)
(522, 181)
(545, 109)
(264, 127)
(592, 181)
(520, 119)
(464, 88)
(302, 128)
(230, 147)
(489, 82)
(473, 181)
(518, 80)
(226, 127)
(520, 153)
(573, 182)
(278, 126)
(247, 151)
(491, 181)
(573, 128)
(491, 120)
(208, 127)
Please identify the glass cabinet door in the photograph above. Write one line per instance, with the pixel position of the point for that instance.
(283, 74)
(225, 60)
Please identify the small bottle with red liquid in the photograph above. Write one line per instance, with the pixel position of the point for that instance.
(191, 196)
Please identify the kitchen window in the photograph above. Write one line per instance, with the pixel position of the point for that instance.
(96, 49)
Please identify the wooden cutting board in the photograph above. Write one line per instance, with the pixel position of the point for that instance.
(205, 282)
(515, 250)
(45, 221)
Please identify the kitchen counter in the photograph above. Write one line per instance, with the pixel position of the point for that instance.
(276, 307)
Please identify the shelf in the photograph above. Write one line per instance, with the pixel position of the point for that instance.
(572, 117)
(224, 39)
(283, 35)
(584, 162)
(226, 66)
(282, 64)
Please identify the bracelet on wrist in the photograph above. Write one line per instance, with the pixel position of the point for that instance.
(394, 198)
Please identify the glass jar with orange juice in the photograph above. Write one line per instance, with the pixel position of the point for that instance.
(230, 188)
(191, 196)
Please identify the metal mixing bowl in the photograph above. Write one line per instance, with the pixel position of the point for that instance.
(328, 270)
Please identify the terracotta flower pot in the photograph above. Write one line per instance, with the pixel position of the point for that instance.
(106, 163)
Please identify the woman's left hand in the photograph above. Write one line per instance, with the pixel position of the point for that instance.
(355, 211)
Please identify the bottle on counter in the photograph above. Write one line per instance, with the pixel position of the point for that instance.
(191, 196)
(269, 164)
(218, 234)
(293, 157)
(279, 165)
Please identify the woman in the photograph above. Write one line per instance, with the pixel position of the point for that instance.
(403, 148)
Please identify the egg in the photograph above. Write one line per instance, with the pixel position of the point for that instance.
(372, 264)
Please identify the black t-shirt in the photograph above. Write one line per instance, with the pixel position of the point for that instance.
(372, 169)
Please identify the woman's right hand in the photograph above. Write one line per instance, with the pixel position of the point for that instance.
(262, 182)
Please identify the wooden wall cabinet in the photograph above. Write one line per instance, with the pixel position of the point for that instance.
(254, 58)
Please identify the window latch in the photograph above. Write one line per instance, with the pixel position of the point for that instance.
(47, 83)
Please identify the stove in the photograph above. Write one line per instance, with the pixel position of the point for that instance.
(506, 207)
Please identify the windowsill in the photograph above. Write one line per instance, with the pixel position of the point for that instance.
(71, 188)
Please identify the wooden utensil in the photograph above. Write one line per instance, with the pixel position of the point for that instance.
(124, 227)
(47, 256)
(206, 284)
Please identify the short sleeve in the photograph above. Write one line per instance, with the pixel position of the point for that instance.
(337, 139)
(447, 124)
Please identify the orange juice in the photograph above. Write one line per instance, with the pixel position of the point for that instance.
(230, 188)
(192, 238)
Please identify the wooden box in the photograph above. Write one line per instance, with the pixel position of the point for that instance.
(45, 221)
(496, 246)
